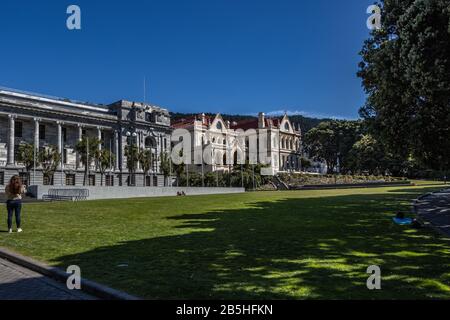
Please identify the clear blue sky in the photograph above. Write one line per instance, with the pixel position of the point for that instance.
(229, 56)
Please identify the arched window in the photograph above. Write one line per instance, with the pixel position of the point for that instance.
(219, 125)
(150, 142)
(286, 126)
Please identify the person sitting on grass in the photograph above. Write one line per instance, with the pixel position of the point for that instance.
(14, 191)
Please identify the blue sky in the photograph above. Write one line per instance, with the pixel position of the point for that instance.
(228, 56)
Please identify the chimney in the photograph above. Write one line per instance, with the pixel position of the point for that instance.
(203, 118)
(261, 120)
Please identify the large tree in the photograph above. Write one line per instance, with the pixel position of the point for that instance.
(88, 149)
(105, 161)
(132, 156)
(166, 166)
(331, 141)
(28, 156)
(146, 160)
(50, 158)
(405, 70)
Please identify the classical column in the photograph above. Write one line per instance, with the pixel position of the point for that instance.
(80, 137)
(139, 146)
(60, 144)
(36, 133)
(116, 149)
(99, 137)
(36, 147)
(11, 140)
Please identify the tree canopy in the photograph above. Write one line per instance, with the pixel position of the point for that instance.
(405, 71)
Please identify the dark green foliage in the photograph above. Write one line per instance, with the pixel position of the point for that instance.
(406, 75)
(331, 141)
(88, 149)
(49, 159)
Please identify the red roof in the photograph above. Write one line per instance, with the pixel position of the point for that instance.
(189, 121)
(253, 123)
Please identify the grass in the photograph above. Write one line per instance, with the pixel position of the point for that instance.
(265, 245)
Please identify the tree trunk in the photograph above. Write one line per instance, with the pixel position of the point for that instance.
(85, 175)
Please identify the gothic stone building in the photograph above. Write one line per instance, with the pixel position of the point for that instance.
(48, 121)
(284, 148)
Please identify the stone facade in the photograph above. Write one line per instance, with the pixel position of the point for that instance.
(282, 138)
(48, 121)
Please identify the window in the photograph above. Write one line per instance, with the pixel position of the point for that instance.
(48, 180)
(16, 152)
(24, 178)
(150, 142)
(155, 181)
(219, 125)
(109, 180)
(70, 179)
(64, 134)
(131, 180)
(286, 126)
(2, 178)
(18, 129)
(84, 132)
(148, 181)
(42, 131)
(65, 156)
(91, 179)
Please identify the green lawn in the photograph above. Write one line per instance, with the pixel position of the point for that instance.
(276, 245)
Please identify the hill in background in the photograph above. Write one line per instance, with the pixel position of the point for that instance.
(306, 123)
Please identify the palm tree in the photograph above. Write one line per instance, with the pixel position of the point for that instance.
(146, 160)
(179, 168)
(165, 165)
(49, 158)
(104, 159)
(88, 149)
(28, 157)
(132, 155)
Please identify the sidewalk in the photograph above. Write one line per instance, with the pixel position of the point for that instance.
(435, 209)
(17, 283)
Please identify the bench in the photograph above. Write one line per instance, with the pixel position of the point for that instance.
(66, 195)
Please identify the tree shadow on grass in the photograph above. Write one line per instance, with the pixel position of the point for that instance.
(312, 248)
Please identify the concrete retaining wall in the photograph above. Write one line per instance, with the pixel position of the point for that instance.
(96, 193)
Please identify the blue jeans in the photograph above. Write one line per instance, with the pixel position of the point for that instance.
(14, 206)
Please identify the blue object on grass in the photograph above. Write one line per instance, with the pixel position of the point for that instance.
(403, 222)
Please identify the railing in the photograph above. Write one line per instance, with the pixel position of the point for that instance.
(66, 194)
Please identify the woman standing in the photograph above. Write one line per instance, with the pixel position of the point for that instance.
(14, 191)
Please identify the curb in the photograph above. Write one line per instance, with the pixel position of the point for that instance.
(90, 287)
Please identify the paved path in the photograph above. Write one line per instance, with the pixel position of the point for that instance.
(17, 283)
(435, 209)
